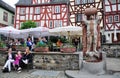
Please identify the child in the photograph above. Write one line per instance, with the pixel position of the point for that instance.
(17, 59)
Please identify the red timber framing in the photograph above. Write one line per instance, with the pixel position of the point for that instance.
(77, 8)
(47, 15)
(112, 19)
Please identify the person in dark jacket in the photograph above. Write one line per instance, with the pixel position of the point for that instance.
(29, 43)
(26, 58)
(9, 59)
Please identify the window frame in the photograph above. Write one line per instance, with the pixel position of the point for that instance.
(37, 10)
(79, 17)
(57, 9)
(115, 18)
(22, 11)
(5, 16)
(51, 24)
(110, 19)
(12, 21)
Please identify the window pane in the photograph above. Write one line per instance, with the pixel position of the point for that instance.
(113, 1)
(51, 24)
(116, 18)
(22, 10)
(79, 17)
(57, 9)
(5, 16)
(37, 10)
(110, 20)
(77, 1)
(118, 1)
(12, 21)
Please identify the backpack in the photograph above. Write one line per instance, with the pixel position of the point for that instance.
(5, 70)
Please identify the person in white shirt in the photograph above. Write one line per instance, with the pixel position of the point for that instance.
(9, 60)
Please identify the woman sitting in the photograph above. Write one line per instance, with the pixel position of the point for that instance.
(9, 60)
(26, 58)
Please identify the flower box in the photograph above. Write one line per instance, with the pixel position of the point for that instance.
(20, 48)
(41, 49)
(3, 49)
(68, 49)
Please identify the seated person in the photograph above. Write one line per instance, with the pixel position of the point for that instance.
(17, 59)
(9, 59)
(25, 59)
(41, 41)
(59, 43)
(44, 40)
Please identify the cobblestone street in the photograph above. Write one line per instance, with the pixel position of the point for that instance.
(113, 71)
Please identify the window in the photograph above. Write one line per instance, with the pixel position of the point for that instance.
(113, 1)
(51, 24)
(118, 1)
(116, 18)
(5, 16)
(77, 1)
(37, 10)
(22, 10)
(21, 23)
(37, 23)
(56, 23)
(87, 1)
(60, 23)
(12, 21)
(110, 19)
(84, 1)
(57, 9)
(90, 1)
(79, 17)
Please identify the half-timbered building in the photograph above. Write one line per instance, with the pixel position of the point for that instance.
(77, 8)
(47, 13)
(112, 21)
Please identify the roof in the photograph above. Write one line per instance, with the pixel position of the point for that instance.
(6, 6)
(29, 2)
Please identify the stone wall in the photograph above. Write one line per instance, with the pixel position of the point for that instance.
(51, 61)
(111, 50)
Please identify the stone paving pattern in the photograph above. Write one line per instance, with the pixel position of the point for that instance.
(113, 71)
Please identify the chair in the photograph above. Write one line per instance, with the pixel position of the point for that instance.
(55, 47)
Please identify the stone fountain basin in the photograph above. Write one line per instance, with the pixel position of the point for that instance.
(94, 67)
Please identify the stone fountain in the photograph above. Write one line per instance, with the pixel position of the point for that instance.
(92, 60)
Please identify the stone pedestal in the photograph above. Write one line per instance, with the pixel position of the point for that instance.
(95, 67)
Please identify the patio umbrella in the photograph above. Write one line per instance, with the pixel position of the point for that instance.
(67, 31)
(10, 31)
(37, 32)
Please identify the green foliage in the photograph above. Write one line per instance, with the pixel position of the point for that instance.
(2, 44)
(41, 45)
(28, 24)
(55, 39)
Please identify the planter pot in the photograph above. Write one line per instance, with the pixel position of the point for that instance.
(3, 49)
(68, 50)
(20, 49)
(41, 49)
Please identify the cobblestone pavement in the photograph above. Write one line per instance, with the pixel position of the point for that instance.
(25, 74)
(113, 64)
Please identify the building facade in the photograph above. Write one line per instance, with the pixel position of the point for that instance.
(6, 14)
(112, 21)
(47, 13)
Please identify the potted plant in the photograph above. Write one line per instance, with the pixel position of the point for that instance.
(68, 48)
(2, 46)
(41, 48)
(21, 47)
